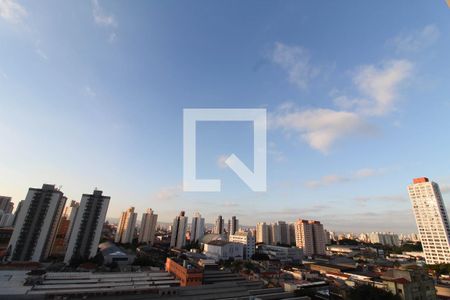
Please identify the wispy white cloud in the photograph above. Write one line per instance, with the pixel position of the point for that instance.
(335, 179)
(415, 41)
(445, 188)
(39, 51)
(168, 193)
(3, 75)
(384, 198)
(381, 84)
(112, 37)
(230, 204)
(101, 17)
(275, 153)
(89, 91)
(293, 213)
(105, 19)
(319, 127)
(41, 54)
(295, 60)
(378, 85)
(12, 12)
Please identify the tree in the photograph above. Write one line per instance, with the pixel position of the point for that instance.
(236, 266)
(143, 261)
(368, 292)
(440, 269)
(75, 261)
(260, 256)
(348, 242)
(98, 259)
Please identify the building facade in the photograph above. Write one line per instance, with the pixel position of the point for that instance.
(223, 250)
(87, 227)
(126, 227)
(188, 274)
(37, 224)
(6, 219)
(219, 226)
(197, 228)
(247, 240)
(309, 235)
(262, 233)
(281, 253)
(384, 238)
(285, 237)
(179, 226)
(148, 227)
(70, 213)
(16, 213)
(431, 219)
(5, 204)
(234, 225)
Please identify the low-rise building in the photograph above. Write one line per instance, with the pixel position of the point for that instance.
(346, 250)
(113, 254)
(325, 268)
(246, 239)
(188, 273)
(82, 285)
(410, 283)
(283, 254)
(223, 250)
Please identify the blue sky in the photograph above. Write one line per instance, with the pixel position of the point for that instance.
(92, 94)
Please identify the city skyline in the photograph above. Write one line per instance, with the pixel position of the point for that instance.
(348, 128)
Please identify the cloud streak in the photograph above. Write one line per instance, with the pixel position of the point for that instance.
(378, 86)
(332, 179)
(295, 60)
(104, 19)
(445, 188)
(383, 198)
(415, 41)
(101, 17)
(319, 127)
(168, 194)
(12, 12)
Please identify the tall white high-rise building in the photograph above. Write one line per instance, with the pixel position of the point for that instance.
(126, 227)
(219, 226)
(36, 225)
(179, 226)
(197, 227)
(87, 226)
(432, 220)
(309, 235)
(262, 233)
(148, 227)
